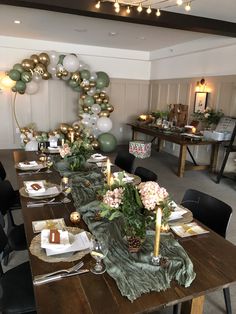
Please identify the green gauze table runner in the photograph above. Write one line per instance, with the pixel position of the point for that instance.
(133, 272)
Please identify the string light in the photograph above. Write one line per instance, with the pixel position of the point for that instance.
(98, 4)
(149, 10)
(179, 2)
(116, 4)
(158, 13)
(117, 9)
(140, 8)
(188, 7)
(128, 10)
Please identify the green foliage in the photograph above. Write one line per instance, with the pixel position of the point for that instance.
(160, 114)
(209, 116)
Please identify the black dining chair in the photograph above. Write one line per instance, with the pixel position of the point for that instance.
(125, 161)
(145, 174)
(213, 213)
(17, 294)
(2, 172)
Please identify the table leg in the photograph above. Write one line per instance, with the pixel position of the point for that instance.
(214, 155)
(159, 144)
(195, 306)
(182, 159)
(134, 135)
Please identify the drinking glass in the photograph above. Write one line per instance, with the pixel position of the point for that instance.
(66, 188)
(49, 163)
(98, 250)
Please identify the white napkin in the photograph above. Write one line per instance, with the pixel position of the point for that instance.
(28, 164)
(98, 156)
(31, 191)
(127, 178)
(80, 242)
(64, 241)
(53, 148)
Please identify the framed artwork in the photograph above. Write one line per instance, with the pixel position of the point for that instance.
(200, 101)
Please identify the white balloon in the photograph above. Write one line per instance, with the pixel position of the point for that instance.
(96, 131)
(54, 56)
(86, 122)
(52, 68)
(66, 77)
(31, 145)
(93, 77)
(92, 91)
(96, 108)
(85, 116)
(104, 124)
(81, 66)
(36, 77)
(94, 118)
(71, 63)
(32, 88)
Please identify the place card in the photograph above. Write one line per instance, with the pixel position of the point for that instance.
(188, 230)
(39, 225)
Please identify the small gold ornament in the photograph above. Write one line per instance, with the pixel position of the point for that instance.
(110, 108)
(95, 96)
(99, 100)
(104, 113)
(86, 88)
(46, 75)
(83, 96)
(75, 217)
(102, 95)
(59, 74)
(105, 101)
(35, 59)
(95, 144)
(27, 64)
(92, 84)
(75, 76)
(44, 58)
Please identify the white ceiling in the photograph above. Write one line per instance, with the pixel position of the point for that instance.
(60, 27)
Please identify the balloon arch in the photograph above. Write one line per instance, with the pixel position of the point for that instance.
(94, 105)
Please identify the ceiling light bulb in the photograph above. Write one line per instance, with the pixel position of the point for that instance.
(158, 13)
(116, 4)
(139, 8)
(98, 4)
(179, 2)
(117, 9)
(17, 22)
(128, 10)
(149, 10)
(187, 7)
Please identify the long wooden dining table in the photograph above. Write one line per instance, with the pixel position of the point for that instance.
(213, 258)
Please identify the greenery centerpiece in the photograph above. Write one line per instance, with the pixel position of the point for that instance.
(136, 205)
(209, 117)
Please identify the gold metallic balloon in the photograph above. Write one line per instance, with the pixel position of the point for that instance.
(59, 74)
(77, 134)
(110, 108)
(95, 96)
(75, 217)
(76, 127)
(95, 144)
(82, 84)
(102, 95)
(35, 59)
(105, 101)
(83, 96)
(65, 73)
(22, 130)
(26, 140)
(46, 76)
(64, 128)
(106, 98)
(86, 88)
(99, 100)
(44, 58)
(70, 129)
(91, 137)
(104, 113)
(86, 109)
(75, 76)
(27, 64)
(40, 69)
(92, 84)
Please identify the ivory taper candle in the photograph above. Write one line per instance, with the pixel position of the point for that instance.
(72, 136)
(158, 232)
(108, 172)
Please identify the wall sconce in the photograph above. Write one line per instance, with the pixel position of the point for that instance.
(201, 86)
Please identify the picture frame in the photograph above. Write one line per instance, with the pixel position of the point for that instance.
(200, 101)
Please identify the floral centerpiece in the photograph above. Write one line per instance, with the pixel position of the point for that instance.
(209, 117)
(136, 205)
(76, 153)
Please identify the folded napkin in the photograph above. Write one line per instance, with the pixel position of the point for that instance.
(53, 148)
(64, 241)
(35, 187)
(28, 164)
(98, 156)
(79, 242)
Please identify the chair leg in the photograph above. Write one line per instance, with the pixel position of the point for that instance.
(176, 308)
(227, 300)
(6, 254)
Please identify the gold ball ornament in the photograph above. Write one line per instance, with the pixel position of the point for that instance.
(110, 108)
(105, 101)
(44, 58)
(104, 113)
(95, 144)
(96, 96)
(86, 88)
(35, 58)
(22, 130)
(59, 74)
(76, 127)
(102, 95)
(99, 100)
(46, 76)
(27, 64)
(92, 84)
(86, 109)
(77, 134)
(64, 128)
(91, 137)
(75, 76)
(70, 128)
(83, 96)
(75, 217)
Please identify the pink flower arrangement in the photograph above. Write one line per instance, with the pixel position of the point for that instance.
(152, 194)
(113, 198)
(65, 150)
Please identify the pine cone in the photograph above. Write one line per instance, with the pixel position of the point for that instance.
(134, 244)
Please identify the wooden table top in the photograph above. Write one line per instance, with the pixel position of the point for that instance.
(173, 137)
(213, 258)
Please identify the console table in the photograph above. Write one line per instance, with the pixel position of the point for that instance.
(184, 142)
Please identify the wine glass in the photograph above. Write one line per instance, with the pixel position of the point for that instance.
(49, 163)
(66, 188)
(98, 250)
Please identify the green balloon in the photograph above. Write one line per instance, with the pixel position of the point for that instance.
(85, 74)
(61, 58)
(14, 75)
(103, 76)
(73, 83)
(101, 83)
(26, 77)
(18, 67)
(107, 142)
(89, 100)
(14, 89)
(20, 86)
(103, 106)
(78, 89)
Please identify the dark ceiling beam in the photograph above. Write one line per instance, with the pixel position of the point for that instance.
(167, 19)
